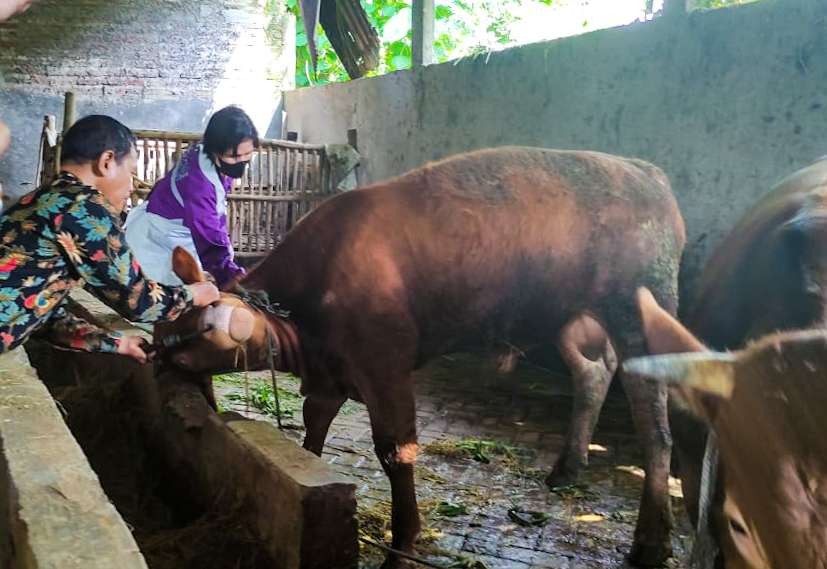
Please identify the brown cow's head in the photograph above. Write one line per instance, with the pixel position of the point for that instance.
(236, 336)
(767, 405)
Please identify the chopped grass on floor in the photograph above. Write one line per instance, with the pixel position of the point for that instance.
(528, 518)
(260, 397)
(426, 474)
(260, 388)
(509, 457)
(451, 509)
(375, 524)
(477, 449)
(579, 491)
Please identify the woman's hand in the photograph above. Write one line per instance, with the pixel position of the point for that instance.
(203, 294)
(133, 347)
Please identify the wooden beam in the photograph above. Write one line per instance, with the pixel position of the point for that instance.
(423, 32)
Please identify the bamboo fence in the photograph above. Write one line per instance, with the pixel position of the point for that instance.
(285, 180)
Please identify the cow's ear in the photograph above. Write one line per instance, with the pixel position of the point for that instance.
(698, 379)
(186, 267)
(664, 334)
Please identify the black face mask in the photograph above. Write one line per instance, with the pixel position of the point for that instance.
(232, 170)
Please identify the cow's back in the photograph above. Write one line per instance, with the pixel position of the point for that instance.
(504, 241)
(749, 287)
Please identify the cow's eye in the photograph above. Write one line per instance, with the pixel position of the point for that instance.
(737, 527)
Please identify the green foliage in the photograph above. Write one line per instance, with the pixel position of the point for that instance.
(712, 4)
(463, 28)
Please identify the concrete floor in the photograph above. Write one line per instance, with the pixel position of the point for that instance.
(469, 507)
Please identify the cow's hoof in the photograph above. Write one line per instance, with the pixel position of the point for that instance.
(395, 562)
(650, 555)
(561, 476)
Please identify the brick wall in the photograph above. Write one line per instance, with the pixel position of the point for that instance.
(152, 63)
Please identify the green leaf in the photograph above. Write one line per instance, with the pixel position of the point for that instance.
(528, 518)
(451, 510)
(389, 11)
(400, 62)
(443, 12)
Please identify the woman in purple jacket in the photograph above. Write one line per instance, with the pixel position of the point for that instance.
(188, 206)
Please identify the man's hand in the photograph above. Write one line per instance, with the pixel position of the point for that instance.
(133, 346)
(203, 294)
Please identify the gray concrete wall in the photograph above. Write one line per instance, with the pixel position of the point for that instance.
(726, 102)
(161, 65)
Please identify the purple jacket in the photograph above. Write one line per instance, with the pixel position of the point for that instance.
(188, 193)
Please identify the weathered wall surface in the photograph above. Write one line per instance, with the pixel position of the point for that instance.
(726, 102)
(53, 512)
(163, 65)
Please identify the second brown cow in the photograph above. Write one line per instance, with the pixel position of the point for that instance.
(769, 274)
(514, 245)
(766, 405)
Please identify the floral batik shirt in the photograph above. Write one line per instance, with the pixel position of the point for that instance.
(65, 235)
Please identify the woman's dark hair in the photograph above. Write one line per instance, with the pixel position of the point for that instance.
(91, 136)
(227, 129)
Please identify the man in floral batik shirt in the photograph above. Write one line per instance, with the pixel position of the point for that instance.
(69, 234)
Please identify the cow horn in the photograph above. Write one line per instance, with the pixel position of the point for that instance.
(710, 372)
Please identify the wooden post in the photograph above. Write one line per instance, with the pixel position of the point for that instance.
(69, 110)
(353, 140)
(423, 32)
(50, 129)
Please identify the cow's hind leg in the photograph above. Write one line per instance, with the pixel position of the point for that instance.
(652, 544)
(318, 414)
(393, 421)
(588, 353)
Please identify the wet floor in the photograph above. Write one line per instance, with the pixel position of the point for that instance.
(488, 441)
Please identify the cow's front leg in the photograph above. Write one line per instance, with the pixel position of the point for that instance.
(393, 420)
(318, 414)
(585, 348)
(652, 544)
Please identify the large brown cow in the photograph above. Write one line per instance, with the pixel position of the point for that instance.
(769, 274)
(520, 245)
(766, 405)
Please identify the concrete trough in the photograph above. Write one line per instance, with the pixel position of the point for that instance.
(53, 512)
(284, 507)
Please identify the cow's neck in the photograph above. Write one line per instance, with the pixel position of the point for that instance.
(288, 345)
